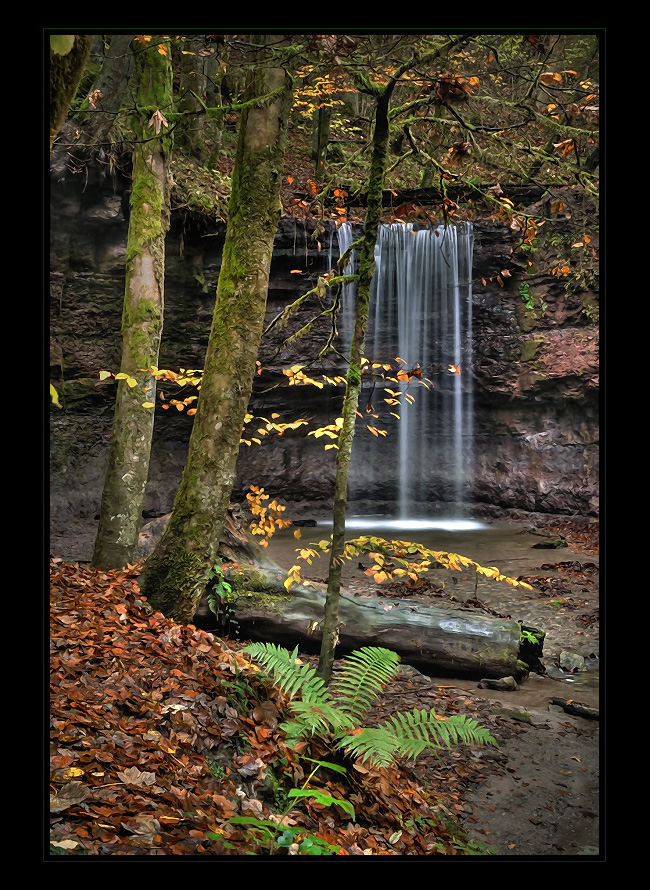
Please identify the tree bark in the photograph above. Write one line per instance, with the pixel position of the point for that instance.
(142, 320)
(176, 574)
(66, 70)
(320, 138)
(110, 88)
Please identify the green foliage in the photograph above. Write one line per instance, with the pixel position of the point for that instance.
(526, 295)
(331, 713)
(219, 596)
(409, 734)
(529, 299)
(219, 590)
(271, 837)
(218, 770)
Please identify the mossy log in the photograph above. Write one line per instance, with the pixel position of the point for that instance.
(433, 640)
(437, 641)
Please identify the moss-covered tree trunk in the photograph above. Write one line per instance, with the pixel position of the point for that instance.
(142, 319)
(353, 384)
(176, 573)
(68, 57)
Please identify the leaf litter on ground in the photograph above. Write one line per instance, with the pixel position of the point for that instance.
(162, 733)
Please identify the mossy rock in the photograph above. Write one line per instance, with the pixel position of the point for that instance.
(76, 390)
(513, 714)
(529, 349)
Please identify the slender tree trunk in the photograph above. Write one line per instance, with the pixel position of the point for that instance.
(353, 386)
(320, 138)
(382, 98)
(176, 573)
(193, 87)
(142, 319)
(67, 64)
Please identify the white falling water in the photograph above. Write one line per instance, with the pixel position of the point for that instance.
(421, 312)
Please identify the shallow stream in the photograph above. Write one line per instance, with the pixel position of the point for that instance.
(512, 550)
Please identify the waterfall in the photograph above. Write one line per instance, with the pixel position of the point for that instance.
(421, 313)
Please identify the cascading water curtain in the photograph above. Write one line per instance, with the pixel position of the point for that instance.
(421, 313)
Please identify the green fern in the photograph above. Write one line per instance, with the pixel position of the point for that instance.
(288, 673)
(358, 684)
(408, 735)
(362, 679)
(316, 712)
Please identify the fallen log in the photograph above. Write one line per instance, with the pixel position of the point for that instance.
(446, 642)
(576, 708)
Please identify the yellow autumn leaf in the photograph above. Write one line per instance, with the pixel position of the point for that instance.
(131, 381)
(148, 405)
(104, 374)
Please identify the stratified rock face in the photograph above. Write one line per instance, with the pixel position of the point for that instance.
(535, 370)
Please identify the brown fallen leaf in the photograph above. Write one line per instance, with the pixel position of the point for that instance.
(133, 776)
(71, 794)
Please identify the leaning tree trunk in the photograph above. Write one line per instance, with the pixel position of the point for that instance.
(68, 57)
(353, 385)
(176, 573)
(142, 319)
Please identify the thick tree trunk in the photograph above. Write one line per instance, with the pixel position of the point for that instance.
(176, 573)
(142, 320)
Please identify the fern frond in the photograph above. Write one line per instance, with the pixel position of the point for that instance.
(362, 678)
(316, 718)
(291, 677)
(379, 747)
(408, 734)
(358, 684)
(316, 712)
